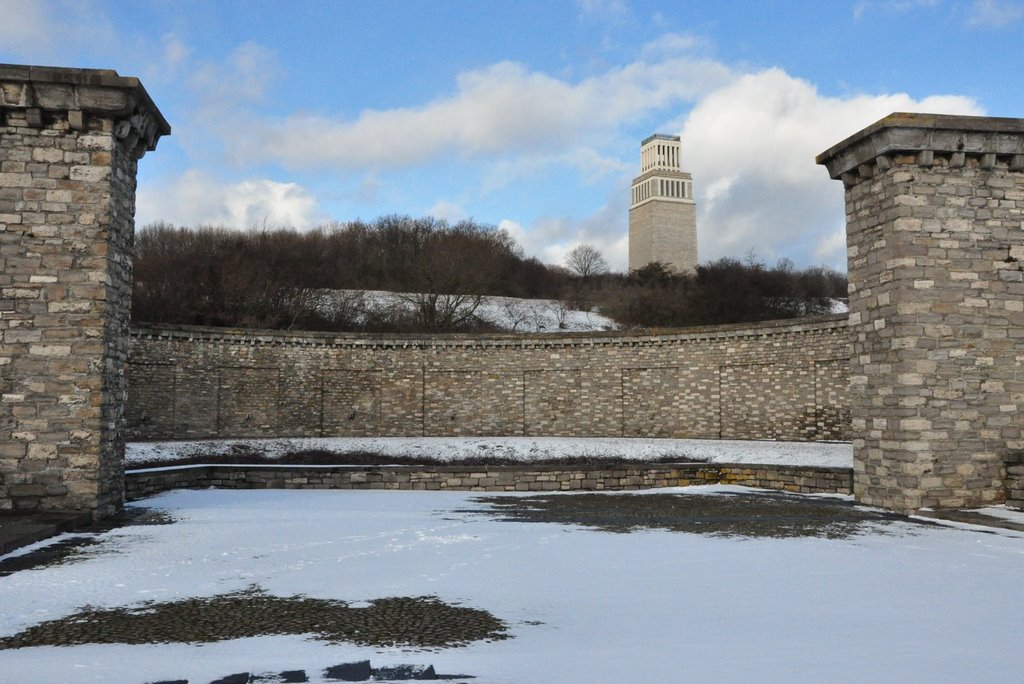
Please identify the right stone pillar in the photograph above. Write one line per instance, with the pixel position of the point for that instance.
(935, 240)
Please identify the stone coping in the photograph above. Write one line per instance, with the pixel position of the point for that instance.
(95, 91)
(526, 340)
(660, 136)
(903, 132)
(504, 467)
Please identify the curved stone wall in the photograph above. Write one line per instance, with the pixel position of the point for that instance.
(526, 477)
(784, 380)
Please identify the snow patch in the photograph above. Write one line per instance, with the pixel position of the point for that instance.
(510, 314)
(522, 449)
(582, 605)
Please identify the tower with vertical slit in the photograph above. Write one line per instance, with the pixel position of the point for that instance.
(662, 213)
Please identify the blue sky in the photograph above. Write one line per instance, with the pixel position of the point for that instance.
(526, 114)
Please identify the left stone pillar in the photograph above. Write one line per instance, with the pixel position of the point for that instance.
(70, 141)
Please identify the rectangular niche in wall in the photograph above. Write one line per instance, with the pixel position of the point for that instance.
(832, 399)
(248, 402)
(149, 411)
(670, 402)
(195, 402)
(553, 402)
(477, 403)
(351, 403)
(768, 401)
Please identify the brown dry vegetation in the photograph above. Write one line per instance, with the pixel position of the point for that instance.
(280, 279)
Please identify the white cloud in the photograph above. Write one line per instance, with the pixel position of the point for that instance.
(550, 239)
(674, 44)
(979, 13)
(995, 13)
(175, 52)
(605, 10)
(25, 25)
(890, 6)
(589, 165)
(37, 30)
(246, 75)
(196, 198)
(751, 146)
(516, 230)
(447, 211)
(831, 249)
(749, 139)
(503, 108)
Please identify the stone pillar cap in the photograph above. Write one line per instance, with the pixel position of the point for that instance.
(102, 92)
(909, 133)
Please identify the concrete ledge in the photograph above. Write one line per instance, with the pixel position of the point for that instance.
(252, 337)
(516, 478)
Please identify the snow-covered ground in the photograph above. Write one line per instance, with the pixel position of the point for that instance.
(450, 449)
(541, 315)
(840, 306)
(507, 313)
(896, 603)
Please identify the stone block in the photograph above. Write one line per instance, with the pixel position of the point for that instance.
(44, 359)
(936, 258)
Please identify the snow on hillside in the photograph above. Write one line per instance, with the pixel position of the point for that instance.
(525, 449)
(507, 313)
(540, 315)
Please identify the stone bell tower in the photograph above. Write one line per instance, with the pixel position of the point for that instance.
(70, 142)
(662, 213)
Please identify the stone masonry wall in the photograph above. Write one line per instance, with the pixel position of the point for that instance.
(69, 144)
(935, 229)
(524, 478)
(780, 380)
(1015, 479)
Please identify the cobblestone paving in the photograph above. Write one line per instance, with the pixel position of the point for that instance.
(359, 671)
(723, 515)
(420, 622)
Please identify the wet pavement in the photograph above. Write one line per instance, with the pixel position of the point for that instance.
(751, 515)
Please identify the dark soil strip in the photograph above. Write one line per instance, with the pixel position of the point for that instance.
(247, 456)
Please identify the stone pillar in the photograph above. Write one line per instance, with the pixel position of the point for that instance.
(935, 236)
(70, 141)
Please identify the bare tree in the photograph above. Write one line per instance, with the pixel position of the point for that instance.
(560, 309)
(585, 260)
(515, 311)
(443, 312)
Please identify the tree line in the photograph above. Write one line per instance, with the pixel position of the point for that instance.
(723, 291)
(281, 279)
